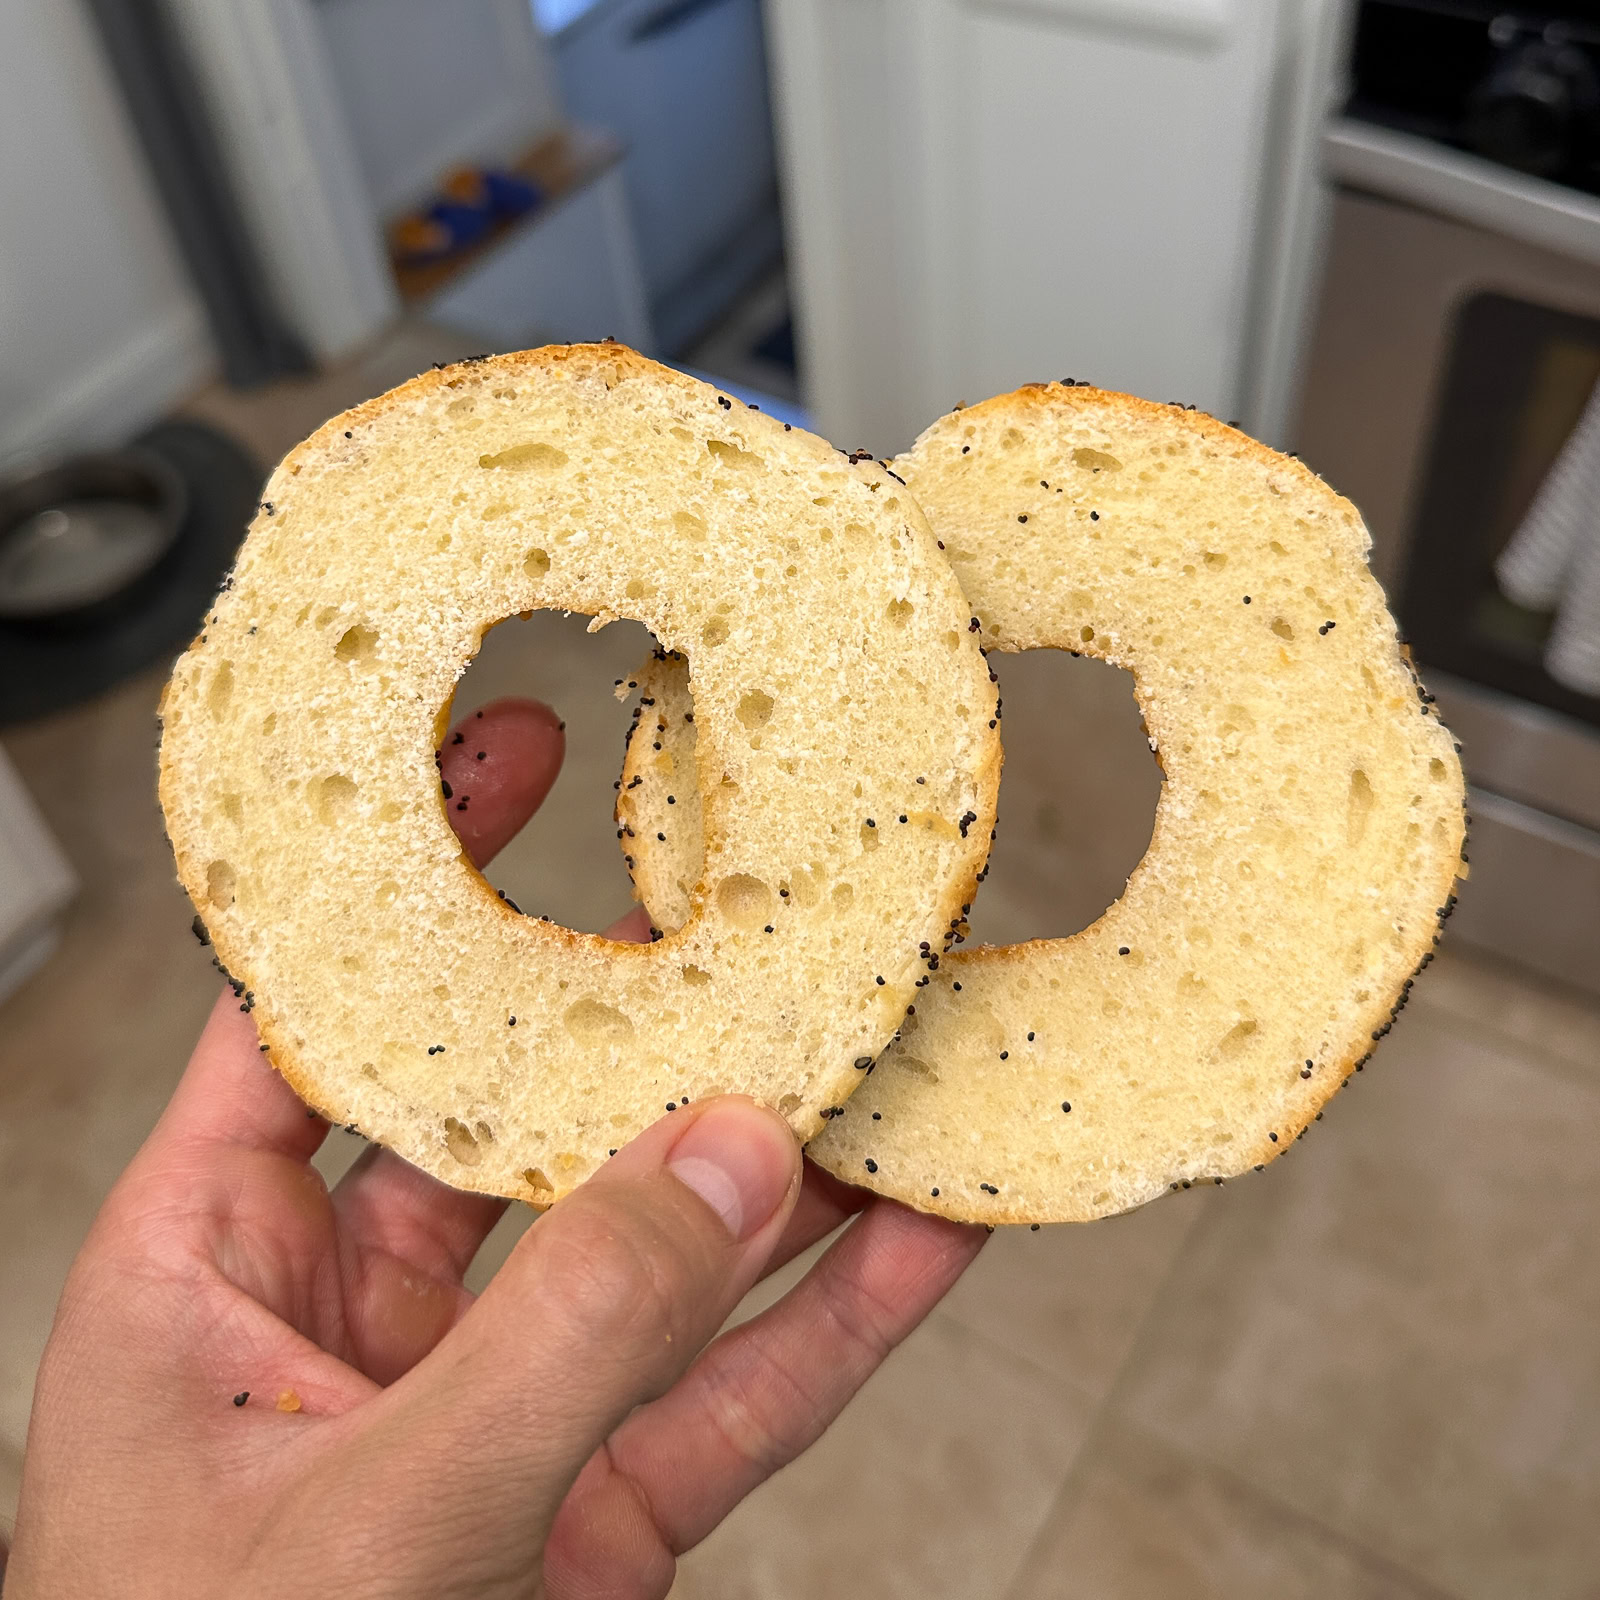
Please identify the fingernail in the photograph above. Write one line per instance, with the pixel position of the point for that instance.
(740, 1159)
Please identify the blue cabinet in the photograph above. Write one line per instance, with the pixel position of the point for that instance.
(684, 83)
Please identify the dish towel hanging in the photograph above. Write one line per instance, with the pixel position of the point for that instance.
(1552, 562)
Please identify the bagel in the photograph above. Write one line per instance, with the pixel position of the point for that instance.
(1306, 839)
(393, 988)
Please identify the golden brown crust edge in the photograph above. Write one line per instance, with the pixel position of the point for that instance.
(190, 871)
(1387, 1005)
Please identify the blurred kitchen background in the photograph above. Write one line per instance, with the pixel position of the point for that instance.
(1368, 230)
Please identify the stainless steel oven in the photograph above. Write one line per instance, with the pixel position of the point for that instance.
(1456, 345)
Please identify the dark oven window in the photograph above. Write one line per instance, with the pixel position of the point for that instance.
(1519, 378)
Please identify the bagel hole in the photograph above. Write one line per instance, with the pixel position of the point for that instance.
(567, 862)
(1077, 797)
(357, 644)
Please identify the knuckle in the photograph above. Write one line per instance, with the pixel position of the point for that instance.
(759, 1409)
(864, 1323)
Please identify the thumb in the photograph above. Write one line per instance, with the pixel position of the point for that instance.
(602, 1306)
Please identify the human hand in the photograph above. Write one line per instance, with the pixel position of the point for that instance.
(568, 1433)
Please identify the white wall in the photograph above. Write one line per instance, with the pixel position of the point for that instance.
(278, 115)
(428, 86)
(99, 329)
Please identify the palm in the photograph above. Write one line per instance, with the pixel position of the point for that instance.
(223, 1263)
(369, 1273)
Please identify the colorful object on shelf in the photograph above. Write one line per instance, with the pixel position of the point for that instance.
(493, 189)
(472, 200)
(440, 231)
(419, 238)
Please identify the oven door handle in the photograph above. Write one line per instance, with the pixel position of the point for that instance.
(1464, 187)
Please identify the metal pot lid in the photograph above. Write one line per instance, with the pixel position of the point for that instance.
(77, 532)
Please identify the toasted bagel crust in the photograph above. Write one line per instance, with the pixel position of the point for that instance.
(1306, 840)
(393, 988)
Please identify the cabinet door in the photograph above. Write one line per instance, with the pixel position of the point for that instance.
(684, 83)
(988, 192)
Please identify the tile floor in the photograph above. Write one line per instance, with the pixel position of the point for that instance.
(1372, 1371)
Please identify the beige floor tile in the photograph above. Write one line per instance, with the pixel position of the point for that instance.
(1140, 1520)
(932, 1484)
(10, 1486)
(1395, 1329)
(1071, 1298)
(1077, 798)
(92, 1045)
(1528, 1012)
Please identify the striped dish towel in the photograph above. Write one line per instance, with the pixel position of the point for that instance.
(1552, 561)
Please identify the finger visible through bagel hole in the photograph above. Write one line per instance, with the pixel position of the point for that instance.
(567, 862)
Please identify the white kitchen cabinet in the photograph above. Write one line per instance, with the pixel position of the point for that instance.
(981, 193)
(571, 273)
(684, 84)
(333, 115)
